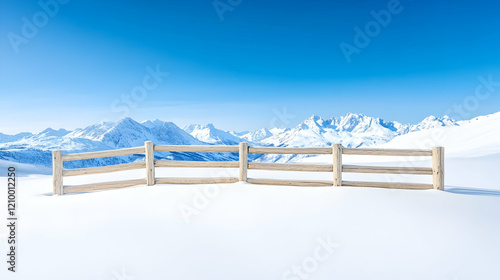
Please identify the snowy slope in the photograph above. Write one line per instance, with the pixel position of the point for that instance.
(433, 122)
(477, 137)
(474, 138)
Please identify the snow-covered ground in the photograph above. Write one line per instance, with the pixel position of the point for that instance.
(245, 231)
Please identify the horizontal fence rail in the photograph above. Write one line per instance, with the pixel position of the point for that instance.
(336, 168)
(279, 150)
(104, 169)
(386, 152)
(210, 164)
(386, 170)
(111, 153)
(197, 149)
(291, 167)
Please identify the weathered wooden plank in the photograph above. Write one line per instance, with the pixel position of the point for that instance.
(290, 167)
(150, 163)
(387, 170)
(104, 169)
(197, 148)
(438, 168)
(243, 161)
(101, 154)
(208, 180)
(196, 164)
(57, 172)
(389, 185)
(386, 152)
(337, 164)
(280, 150)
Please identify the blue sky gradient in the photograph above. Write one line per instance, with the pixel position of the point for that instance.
(262, 57)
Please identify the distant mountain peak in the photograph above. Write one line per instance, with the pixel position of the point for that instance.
(314, 117)
(210, 134)
(354, 115)
(432, 122)
(314, 123)
(127, 120)
(155, 121)
(211, 126)
(50, 132)
(257, 135)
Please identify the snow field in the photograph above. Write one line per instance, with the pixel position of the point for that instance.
(246, 231)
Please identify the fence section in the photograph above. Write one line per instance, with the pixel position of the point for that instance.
(336, 168)
(291, 167)
(437, 170)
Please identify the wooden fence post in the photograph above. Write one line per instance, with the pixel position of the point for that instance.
(337, 164)
(57, 172)
(438, 168)
(150, 163)
(243, 161)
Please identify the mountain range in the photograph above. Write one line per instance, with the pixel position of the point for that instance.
(351, 130)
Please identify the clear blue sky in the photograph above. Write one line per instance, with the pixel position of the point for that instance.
(238, 70)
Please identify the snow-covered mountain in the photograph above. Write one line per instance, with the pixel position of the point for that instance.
(209, 134)
(49, 132)
(257, 136)
(129, 133)
(351, 130)
(433, 122)
(473, 138)
(4, 138)
(36, 148)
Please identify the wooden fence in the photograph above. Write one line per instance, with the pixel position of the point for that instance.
(336, 168)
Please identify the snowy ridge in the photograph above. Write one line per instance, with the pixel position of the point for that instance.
(5, 138)
(433, 122)
(351, 130)
(36, 149)
(209, 134)
(473, 138)
(257, 135)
